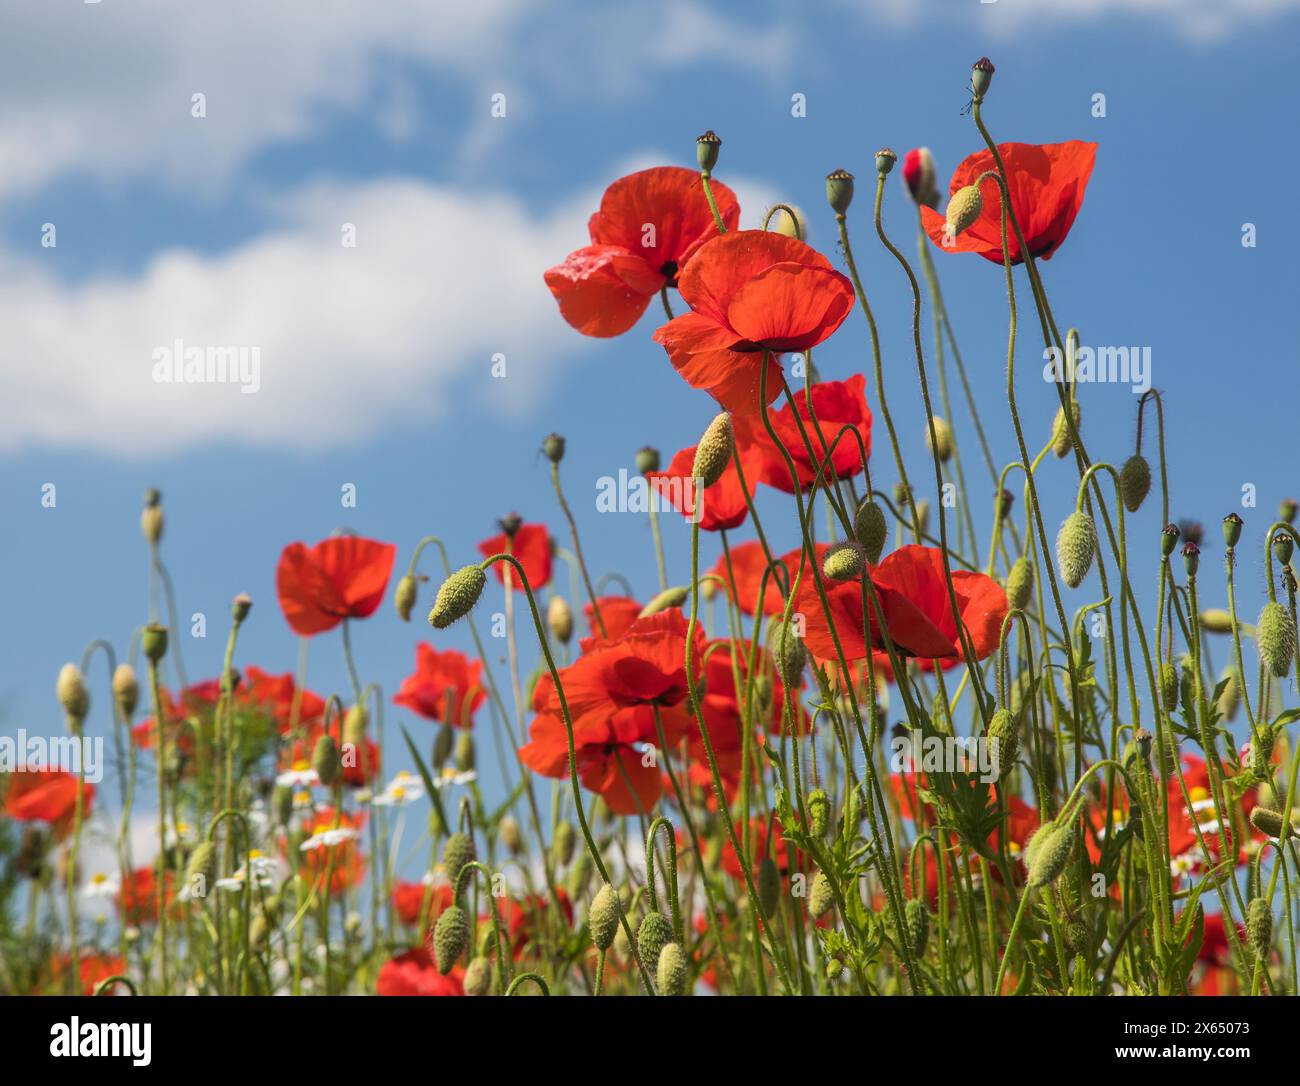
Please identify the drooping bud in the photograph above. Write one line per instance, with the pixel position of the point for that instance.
(443, 742)
(842, 561)
(151, 520)
(559, 618)
(707, 147)
(354, 725)
(1169, 686)
(1216, 620)
(964, 209)
(713, 453)
(821, 898)
(670, 975)
(325, 760)
(1061, 440)
(602, 917)
(1002, 503)
(885, 159)
(1135, 482)
(563, 844)
(73, 695)
(819, 811)
(1287, 510)
(917, 918)
(405, 596)
(450, 938)
(457, 596)
(464, 755)
(126, 690)
(202, 864)
(1004, 741)
(839, 190)
(1074, 547)
(943, 440)
(1275, 638)
(769, 885)
(282, 804)
(923, 514)
(1232, 529)
(1049, 850)
(788, 652)
(870, 529)
(510, 835)
(652, 936)
(647, 459)
(1259, 926)
(790, 225)
(920, 175)
(1268, 822)
(456, 853)
(668, 598)
(478, 977)
(981, 75)
(1020, 583)
(553, 447)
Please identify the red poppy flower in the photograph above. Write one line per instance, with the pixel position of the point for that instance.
(531, 545)
(445, 686)
(408, 897)
(1203, 815)
(751, 291)
(137, 897)
(348, 864)
(617, 612)
(46, 795)
(342, 577)
(723, 505)
(196, 702)
(787, 859)
(837, 404)
(413, 973)
(94, 968)
(274, 695)
(913, 598)
(521, 919)
(748, 561)
(649, 225)
(1047, 182)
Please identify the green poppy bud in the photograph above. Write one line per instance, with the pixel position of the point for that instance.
(942, 441)
(405, 596)
(1061, 430)
(713, 453)
(1049, 851)
(559, 618)
(842, 561)
(602, 917)
(325, 760)
(668, 598)
(647, 459)
(450, 938)
(1020, 583)
(917, 918)
(1267, 821)
(1135, 482)
(870, 529)
(769, 885)
(1074, 548)
(819, 811)
(981, 75)
(1275, 638)
(964, 209)
(654, 934)
(153, 640)
(563, 845)
(457, 596)
(1168, 539)
(457, 851)
(72, 694)
(1259, 926)
(671, 973)
(821, 898)
(1283, 546)
(1004, 741)
(788, 652)
(478, 977)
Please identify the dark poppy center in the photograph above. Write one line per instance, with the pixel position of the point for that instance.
(669, 271)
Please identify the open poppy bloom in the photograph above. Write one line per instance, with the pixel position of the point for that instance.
(617, 612)
(531, 545)
(752, 293)
(786, 858)
(274, 695)
(137, 897)
(748, 562)
(836, 404)
(410, 897)
(413, 973)
(445, 686)
(1047, 183)
(913, 597)
(46, 795)
(648, 227)
(342, 577)
(721, 506)
(94, 968)
(522, 918)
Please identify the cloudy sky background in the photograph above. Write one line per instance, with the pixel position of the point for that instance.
(375, 360)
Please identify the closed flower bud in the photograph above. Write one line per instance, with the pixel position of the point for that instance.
(559, 618)
(464, 755)
(1061, 429)
(1078, 937)
(790, 225)
(1135, 482)
(652, 936)
(1074, 547)
(1020, 583)
(1283, 546)
(964, 208)
(1230, 700)
(510, 836)
(1216, 620)
(981, 75)
(126, 690)
(443, 742)
(354, 725)
(1004, 741)
(917, 917)
(647, 459)
(457, 596)
(1049, 851)
(1267, 821)
(478, 977)
(1232, 529)
(713, 453)
(668, 598)
(151, 520)
(842, 561)
(769, 885)
(821, 898)
(602, 917)
(839, 190)
(553, 447)
(325, 760)
(943, 440)
(456, 853)
(282, 804)
(1169, 686)
(405, 596)
(562, 846)
(154, 642)
(1191, 558)
(670, 974)
(819, 811)
(202, 864)
(870, 529)
(885, 159)
(1259, 926)
(1275, 638)
(72, 692)
(450, 938)
(920, 175)
(788, 652)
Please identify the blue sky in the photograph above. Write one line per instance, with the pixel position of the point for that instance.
(376, 360)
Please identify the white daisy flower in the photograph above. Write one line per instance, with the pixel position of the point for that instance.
(298, 775)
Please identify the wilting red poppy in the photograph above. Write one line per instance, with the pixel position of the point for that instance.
(752, 291)
(748, 561)
(414, 974)
(913, 597)
(445, 686)
(137, 897)
(648, 227)
(342, 577)
(46, 795)
(1047, 182)
(723, 505)
(94, 968)
(617, 612)
(408, 897)
(531, 545)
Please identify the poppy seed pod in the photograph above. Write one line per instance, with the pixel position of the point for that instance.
(769, 885)
(456, 853)
(1275, 638)
(713, 453)
(1287, 510)
(821, 898)
(647, 459)
(559, 619)
(72, 692)
(450, 938)
(562, 845)
(917, 918)
(457, 596)
(1169, 686)
(652, 936)
(707, 147)
(885, 159)
(981, 75)
(405, 596)
(1267, 821)
(1216, 620)
(788, 652)
(126, 690)
(819, 811)
(1232, 529)
(1002, 503)
(202, 864)
(670, 974)
(1061, 441)
(842, 561)
(839, 190)
(151, 519)
(602, 917)
(1020, 583)
(964, 209)
(1283, 547)
(1168, 539)
(1191, 558)
(553, 447)
(1259, 926)
(870, 529)
(669, 597)
(1074, 547)
(1135, 482)
(1049, 851)
(1004, 741)
(943, 441)
(478, 977)
(325, 760)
